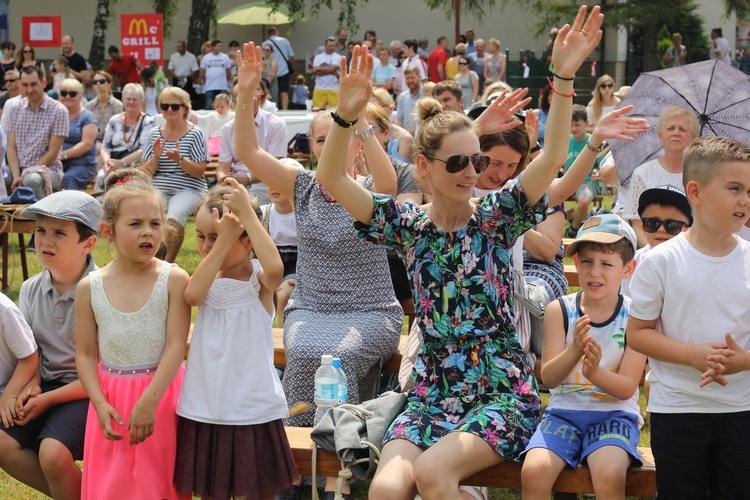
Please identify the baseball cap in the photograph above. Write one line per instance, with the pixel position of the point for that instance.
(666, 195)
(605, 228)
(68, 205)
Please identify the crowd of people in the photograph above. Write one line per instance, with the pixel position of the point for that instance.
(435, 190)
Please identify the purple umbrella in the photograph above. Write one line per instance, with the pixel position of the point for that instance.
(718, 94)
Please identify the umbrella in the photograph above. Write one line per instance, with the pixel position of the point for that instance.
(718, 94)
(255, 13)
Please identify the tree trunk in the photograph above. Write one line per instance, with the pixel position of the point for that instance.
(200, 24)
(650, 39)
(99, 38)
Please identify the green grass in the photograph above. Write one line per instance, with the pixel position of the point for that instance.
(188, 259)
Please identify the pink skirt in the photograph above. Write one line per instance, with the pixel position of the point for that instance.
(233, 461)
(115, 469)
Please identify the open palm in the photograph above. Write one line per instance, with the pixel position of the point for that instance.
(574, 43)
(249, 68)
(355, 85)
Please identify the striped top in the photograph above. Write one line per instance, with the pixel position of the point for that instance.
(169, 177)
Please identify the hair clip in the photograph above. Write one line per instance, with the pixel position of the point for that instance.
(123, 180)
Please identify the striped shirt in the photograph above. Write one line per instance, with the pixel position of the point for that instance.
(34, 128)
(169, 177)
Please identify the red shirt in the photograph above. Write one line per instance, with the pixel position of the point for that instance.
(437, 56)
(125, 70)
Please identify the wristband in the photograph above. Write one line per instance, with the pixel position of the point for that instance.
(535, 148)
(596, 150)
(365, 134)
(341, 122)
(562, 77)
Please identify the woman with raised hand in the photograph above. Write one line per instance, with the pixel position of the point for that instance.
(343, 303)
(475, 402)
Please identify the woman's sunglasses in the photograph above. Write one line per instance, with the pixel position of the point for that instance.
(27, 51)
(66, 93)
(457, 163)
(671, 226)
(98, 81)
(607, 85)
(173, 106)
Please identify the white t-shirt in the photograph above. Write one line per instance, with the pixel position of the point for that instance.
(16, 339)
(327, 82)
(216, 71)
(419, 63)
(590, 113)
(183, 65)
(281, 227)
(625, 285)
(649, 175)
(696, 299)
(722, 45)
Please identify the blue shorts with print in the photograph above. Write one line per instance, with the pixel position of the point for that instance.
(574, 434)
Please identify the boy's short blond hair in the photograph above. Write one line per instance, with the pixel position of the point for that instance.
(703, 158)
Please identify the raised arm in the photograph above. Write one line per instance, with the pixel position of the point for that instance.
(272, 172)
(355, 89)
(613, 125)
(572, 45)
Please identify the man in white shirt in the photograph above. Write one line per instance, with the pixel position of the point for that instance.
(395, 47)
(721, 48)
(412, 59)
(216, 71)
(407, 100)
(183, 69)
(271, 132)
(326, 70)
(284, 55)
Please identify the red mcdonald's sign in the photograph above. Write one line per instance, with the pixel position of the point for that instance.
(142, 36)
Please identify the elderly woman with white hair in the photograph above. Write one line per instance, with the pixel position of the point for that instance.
(125, 136)
(176, 155)
(78, 154)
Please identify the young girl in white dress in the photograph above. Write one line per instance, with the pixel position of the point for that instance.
(231, 441)
(132, 316)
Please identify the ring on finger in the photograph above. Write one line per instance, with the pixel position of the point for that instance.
(353, 70)
(584, 32)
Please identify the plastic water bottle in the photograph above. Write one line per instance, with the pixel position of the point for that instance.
(326, 386)
(343, 382)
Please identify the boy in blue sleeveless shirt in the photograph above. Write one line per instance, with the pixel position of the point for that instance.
(593, 415)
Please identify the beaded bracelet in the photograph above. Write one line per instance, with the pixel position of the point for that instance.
(554, 90)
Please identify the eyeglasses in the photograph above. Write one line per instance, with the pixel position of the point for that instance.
(671, 226)
(607, 85)
(463, 64)
(174, 106)
(66, 93)
(98, 81)
(27, 51)
(10, 80)
(457, 163)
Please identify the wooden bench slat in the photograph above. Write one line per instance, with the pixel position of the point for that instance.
(641, 481)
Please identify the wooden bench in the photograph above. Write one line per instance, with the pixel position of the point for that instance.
(11, 222)
(640, 482)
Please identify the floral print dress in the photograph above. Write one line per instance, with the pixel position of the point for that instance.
(471, 374)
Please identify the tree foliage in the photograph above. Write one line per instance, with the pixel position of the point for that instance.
(347, 9)
(99, 36)
(168, 10)
(202, 20)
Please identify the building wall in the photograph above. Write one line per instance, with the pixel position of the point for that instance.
(391, 19)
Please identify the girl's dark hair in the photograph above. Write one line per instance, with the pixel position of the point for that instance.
(545, 104)
(515, 138)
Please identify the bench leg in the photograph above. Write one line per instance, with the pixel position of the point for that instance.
(565, 496)
(22, 249)
(4, 238)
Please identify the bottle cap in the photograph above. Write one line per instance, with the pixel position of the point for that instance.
(336, 362)
(326, 359)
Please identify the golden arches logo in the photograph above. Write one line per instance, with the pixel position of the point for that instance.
(138, 27)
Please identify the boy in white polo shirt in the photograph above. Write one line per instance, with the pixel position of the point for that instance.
(19, 358)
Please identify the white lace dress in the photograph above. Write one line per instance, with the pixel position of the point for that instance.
(131, 346)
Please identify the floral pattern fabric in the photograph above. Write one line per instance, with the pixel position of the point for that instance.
(471, 374)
